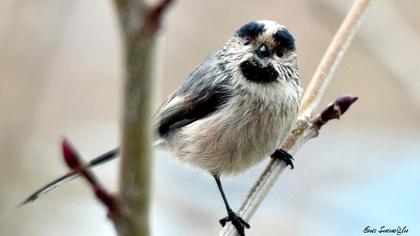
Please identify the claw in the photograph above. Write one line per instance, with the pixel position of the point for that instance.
(281, 154)
(237, 221)
(223, 221)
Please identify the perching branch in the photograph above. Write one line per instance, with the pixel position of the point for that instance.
(307, 128)
(332, 57)
(400, 62)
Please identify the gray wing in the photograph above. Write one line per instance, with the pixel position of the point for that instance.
(205, 90)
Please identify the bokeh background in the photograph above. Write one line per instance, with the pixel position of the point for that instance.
(61, 75)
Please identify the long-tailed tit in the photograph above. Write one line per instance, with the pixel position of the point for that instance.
(233, 110)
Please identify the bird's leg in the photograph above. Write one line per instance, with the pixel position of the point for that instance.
(281, 154)
(236, 220)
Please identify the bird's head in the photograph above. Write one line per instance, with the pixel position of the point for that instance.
(265, 52)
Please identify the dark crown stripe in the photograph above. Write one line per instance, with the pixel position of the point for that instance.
(252, 29)
(284, 39)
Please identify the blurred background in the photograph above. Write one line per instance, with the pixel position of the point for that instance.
(61, 75)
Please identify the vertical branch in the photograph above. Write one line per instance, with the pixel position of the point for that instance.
(136, 137)
(139, 23)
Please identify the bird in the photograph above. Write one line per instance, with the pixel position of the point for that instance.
(231, 112)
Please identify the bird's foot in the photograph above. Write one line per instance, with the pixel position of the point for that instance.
(237, 221)
(281, 154)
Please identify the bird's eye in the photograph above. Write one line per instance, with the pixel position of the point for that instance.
(280, 52)
(247, 41)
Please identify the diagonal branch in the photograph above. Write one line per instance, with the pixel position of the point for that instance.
(307, 128)
(332, 57)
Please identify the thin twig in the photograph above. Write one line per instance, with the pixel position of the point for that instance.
(333, 111)
(332, 57)
(74, 162)
(304, 128)
(400, 62)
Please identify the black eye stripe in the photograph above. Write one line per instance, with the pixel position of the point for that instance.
(284, 39)
(251, 30)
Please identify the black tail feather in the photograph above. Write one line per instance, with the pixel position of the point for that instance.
(70, 176)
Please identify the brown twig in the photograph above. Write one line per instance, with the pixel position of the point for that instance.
(334, 110)
(74, 162)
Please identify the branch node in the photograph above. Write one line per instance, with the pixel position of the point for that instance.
(71, 157)
(153, 16)
(334, 110)
(74, 162)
